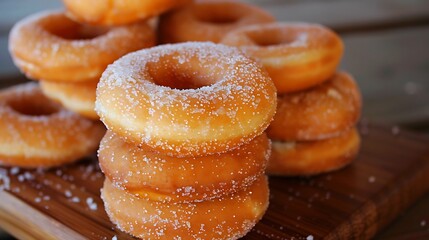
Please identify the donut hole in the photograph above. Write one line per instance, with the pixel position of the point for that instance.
(216, 15)
(71, 30)
(168, 72)
(80, 32)
(33, 107)
(270, 38)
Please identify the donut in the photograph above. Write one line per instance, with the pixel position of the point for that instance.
(37, 132)
(296, 55)
(320, 112)
(220, 218)
(186, 99)
(49, 46)
(77, 97)
(208, 20)
(313, 157)
(118, 12)
(149, 174)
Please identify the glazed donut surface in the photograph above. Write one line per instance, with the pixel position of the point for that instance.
(49, 46)
(37, 132)
(296, 55)
(320, 112)
(189, 99)
(118, 12)
(222, 218)
(159, 177)
(77, 97)
(208, 20)
(314, 157)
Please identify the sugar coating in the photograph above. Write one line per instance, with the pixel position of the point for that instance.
(4, 180)
(85, 47)
(47, 139)
(91, 204)
(235, 105)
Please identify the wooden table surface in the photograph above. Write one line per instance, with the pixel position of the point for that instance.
(387, 51)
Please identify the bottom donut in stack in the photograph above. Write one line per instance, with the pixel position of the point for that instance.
(229, 217)
(314, 130)
(185, 153)
(313, 157)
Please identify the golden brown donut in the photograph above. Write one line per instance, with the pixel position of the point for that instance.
(208, 20)
(296, 55)
(222, 218)
(117, 12)
(187, 99)
(156, 176)
(77, 97)
(321, 112)
(49, 46)
(37, 132)
(314, 157)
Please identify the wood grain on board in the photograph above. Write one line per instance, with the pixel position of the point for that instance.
(391, 172)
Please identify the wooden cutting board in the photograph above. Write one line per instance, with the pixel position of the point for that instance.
(391, 172)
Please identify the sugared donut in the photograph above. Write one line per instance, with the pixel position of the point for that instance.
(208, 20)
(321, 112)
(37, 132)
(116, 12)
(313, 157)
(188, 99)
(296, 55)
(156, 176)
(222, 218)
(49, 46)
(77, 97)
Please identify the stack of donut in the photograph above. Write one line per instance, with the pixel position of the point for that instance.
(185, 153)
(69, 57)
(313, 130)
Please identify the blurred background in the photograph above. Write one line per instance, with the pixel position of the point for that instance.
(387, 51)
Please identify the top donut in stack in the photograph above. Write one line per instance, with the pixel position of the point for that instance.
(68, 57)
